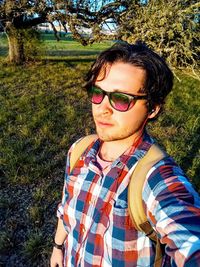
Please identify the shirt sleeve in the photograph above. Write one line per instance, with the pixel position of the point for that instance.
(60, 210)
(173, 208)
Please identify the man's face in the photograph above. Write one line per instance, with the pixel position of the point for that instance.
(113, 125)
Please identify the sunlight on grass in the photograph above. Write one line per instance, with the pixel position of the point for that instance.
(178, 129)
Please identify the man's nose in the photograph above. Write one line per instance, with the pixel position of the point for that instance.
(105, 105)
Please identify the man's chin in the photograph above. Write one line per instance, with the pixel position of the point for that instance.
(111, 137)
(105, 137)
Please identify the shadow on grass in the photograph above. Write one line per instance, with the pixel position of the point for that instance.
(70, 56)
(68, 60)
(77, 52)
(61, 55)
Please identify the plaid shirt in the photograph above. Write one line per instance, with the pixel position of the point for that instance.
(95, 216)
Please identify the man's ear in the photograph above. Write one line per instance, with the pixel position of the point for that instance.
(153, 113)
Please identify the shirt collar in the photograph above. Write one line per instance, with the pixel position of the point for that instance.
(128, 158)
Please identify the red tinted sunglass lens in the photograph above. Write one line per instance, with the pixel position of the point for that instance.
(96, 95)
(120, 101)
(97, 98)
(120, 106)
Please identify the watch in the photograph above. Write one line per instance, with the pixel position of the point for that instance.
(57, 246)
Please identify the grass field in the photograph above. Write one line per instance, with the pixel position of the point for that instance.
(43, 109)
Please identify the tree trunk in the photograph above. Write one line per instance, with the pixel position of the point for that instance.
(16, 44)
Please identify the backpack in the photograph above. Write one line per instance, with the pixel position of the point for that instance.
(135, 204)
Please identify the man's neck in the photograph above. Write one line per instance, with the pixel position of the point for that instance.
(111, 150)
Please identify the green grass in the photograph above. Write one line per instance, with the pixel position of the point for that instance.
(179, 128)
(36, 111)
(36, 249)
(43, 109)
(67, 42)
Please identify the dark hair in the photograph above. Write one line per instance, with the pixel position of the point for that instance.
(159, 78)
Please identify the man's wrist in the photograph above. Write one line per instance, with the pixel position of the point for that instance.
(58, 246)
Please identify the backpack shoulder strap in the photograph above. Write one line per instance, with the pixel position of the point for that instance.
(135, 204)
(79, 148)
(138, 177)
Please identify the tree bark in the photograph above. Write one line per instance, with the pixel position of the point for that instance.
(16, 44)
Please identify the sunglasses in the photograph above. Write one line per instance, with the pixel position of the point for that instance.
(119, 101)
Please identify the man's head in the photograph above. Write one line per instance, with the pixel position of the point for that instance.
(158, 77)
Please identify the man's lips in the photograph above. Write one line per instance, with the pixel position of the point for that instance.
(103, 123)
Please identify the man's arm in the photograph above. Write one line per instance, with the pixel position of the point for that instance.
(57, 254)
(173, 208)
(61, 233)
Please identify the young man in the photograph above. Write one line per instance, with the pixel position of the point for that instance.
(127, 86)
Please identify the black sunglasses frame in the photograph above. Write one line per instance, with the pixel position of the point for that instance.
(132, 97)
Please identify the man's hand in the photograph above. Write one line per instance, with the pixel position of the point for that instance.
(56, 258)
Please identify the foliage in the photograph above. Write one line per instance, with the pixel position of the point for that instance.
(170, 27)
(32, 42)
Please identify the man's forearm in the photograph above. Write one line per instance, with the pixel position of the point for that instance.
(57, 253)
(61, 234)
